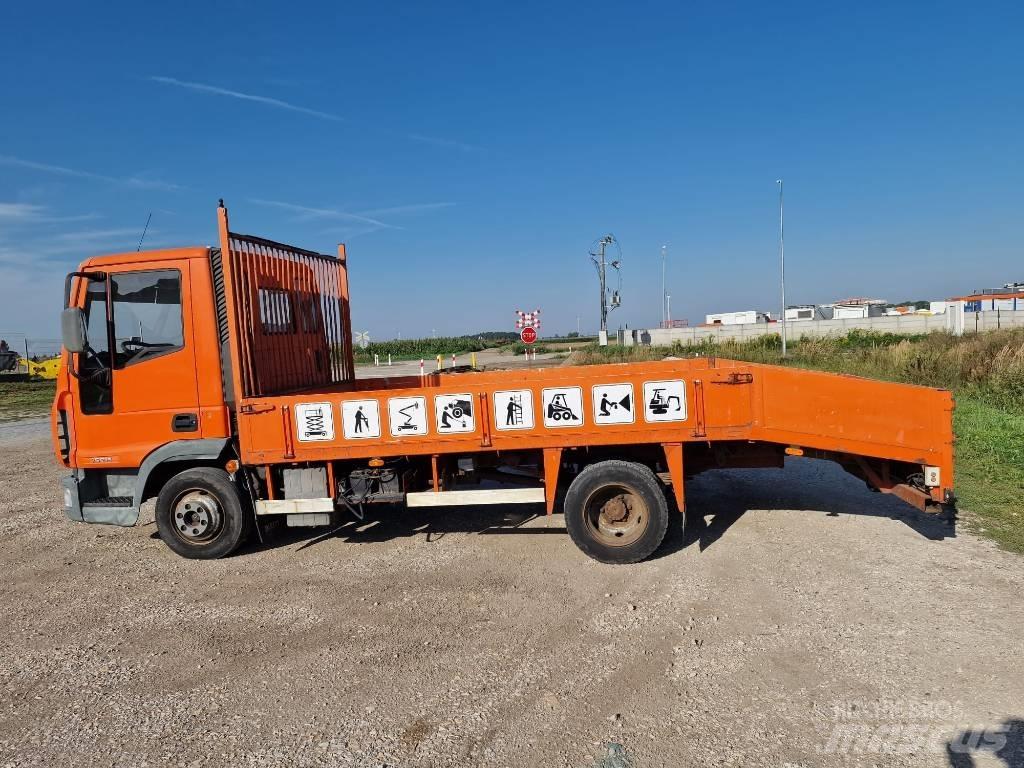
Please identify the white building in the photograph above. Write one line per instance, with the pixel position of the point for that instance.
(808, 312)
(799, 313)
(858, 310)
(738, 318)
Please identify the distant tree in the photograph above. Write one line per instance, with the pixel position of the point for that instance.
(497, 335)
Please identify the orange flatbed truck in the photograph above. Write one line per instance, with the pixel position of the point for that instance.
(221, 382)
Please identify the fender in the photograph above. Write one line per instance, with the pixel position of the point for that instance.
(202, 449)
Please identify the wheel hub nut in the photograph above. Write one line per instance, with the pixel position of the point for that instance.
(615, 510)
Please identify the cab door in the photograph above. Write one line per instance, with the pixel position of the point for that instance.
(139, 326)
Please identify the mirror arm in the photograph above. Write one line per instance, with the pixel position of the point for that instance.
(72, 368)
(97, 276)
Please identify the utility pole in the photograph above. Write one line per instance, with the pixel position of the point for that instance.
(664, 299)
(599, 262)
(782, 262)
(668, 310)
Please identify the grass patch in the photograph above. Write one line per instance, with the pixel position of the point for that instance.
(21, 399)
(518, 348)
(990, 468)
(985, 371)
(428, 349)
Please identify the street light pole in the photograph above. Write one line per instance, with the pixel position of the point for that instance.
(782, 261)
(664, 301)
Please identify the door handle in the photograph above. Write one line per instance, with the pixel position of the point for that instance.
(185, 422)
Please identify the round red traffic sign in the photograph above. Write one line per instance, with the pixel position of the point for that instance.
(528, 335)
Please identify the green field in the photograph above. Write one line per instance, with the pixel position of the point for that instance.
(23, 399)
(984, 371)
(426, 349)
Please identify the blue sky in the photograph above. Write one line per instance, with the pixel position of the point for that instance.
(470, 153)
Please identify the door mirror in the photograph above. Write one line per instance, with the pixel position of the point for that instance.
(72, 329)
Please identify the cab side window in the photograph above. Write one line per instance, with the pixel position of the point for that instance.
(94, 389)
(147, 315)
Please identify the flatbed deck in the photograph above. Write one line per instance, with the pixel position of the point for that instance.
(255, 391)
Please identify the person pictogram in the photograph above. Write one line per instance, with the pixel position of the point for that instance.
(514, 411)
(361, 419)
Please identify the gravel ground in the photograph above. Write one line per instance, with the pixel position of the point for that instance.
(803, 621)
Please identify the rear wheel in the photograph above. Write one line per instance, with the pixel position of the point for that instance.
(199, 514)
(616, 512)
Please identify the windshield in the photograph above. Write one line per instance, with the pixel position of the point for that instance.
(147, 315)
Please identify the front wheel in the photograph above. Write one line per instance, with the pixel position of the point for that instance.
(616, 512)
(199, 514)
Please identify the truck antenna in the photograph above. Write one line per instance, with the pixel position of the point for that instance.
(144, 230)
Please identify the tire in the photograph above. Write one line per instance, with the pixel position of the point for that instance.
(200, 515)
(616, 512)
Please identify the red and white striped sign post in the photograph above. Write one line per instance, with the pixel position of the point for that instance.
(527, 319)
(528, 324)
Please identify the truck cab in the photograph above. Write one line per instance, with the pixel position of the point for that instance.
(144, 374)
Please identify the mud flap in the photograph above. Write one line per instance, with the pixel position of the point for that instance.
(72, 504)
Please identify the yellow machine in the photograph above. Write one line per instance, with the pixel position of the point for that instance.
(44, 369)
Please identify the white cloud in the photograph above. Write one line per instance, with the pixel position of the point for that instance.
(270, 101)
(20, 211)
(60, 170)
(13, 214)
(438, 142)
(266, 100)
(92, 235)
(400, 209)
(306, 213)
(370, 219)
(41, 253)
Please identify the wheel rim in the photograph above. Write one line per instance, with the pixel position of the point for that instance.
(196, 516)
(616, 515)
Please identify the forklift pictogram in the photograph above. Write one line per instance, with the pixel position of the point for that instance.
(660, 404)
(558, 409)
